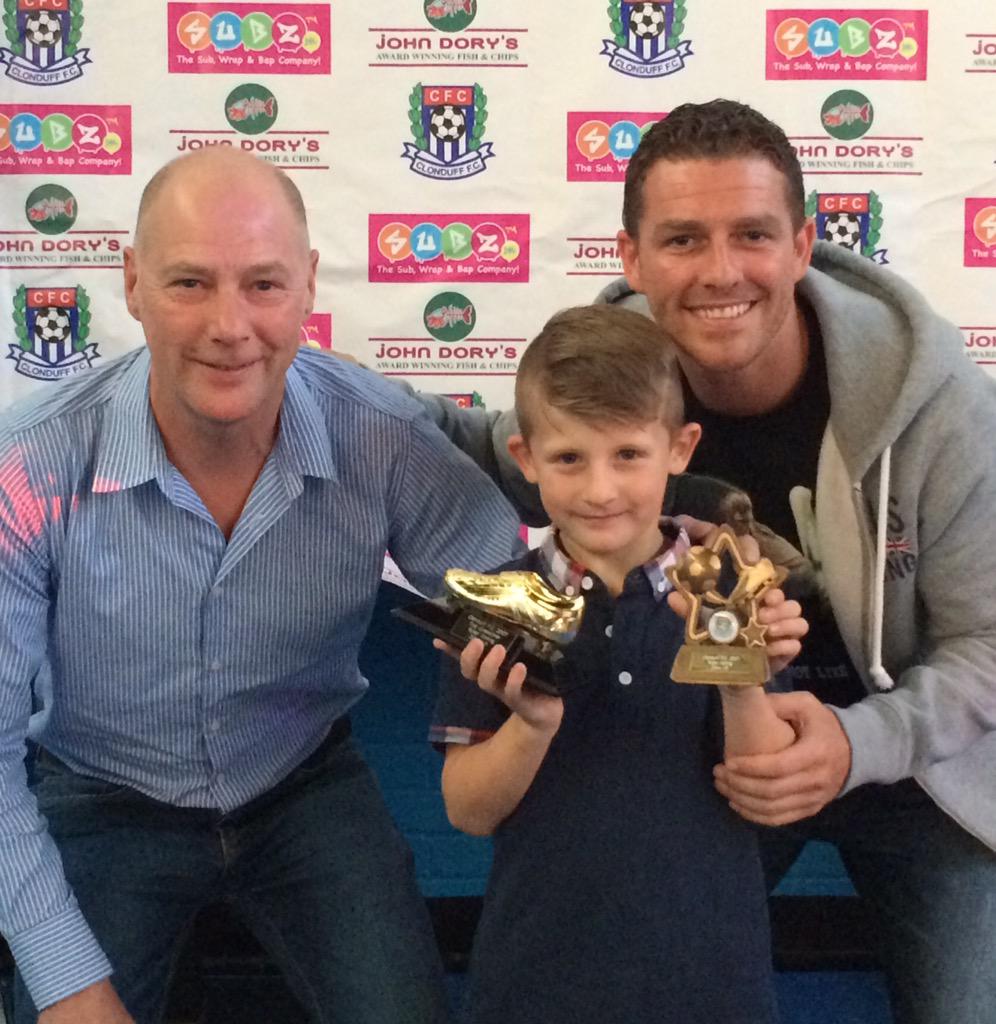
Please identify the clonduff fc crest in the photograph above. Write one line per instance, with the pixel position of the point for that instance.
(43, 37)
(646, 38)
(852, 220)
(52, 325)
(447, 123)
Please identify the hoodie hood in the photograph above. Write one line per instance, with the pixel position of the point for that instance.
(882, 369)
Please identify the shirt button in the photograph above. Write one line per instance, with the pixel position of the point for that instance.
(662, 586)
(587, 583)
(215, 665)
(219, 778)
(214, 725)
(625, 678)
(608, 629)
(569, 591)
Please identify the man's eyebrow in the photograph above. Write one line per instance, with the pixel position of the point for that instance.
(688, 226)
(184, 269)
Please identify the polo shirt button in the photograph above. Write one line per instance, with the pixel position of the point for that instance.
(662, 586)
(625, 678)
(608, 629)
(587, 583)
(569, 591)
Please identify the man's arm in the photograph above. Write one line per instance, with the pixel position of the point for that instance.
(52, 945)
(946, 699)
(445, 513)
(483, 436)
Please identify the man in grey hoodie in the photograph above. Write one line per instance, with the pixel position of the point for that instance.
(829, 390)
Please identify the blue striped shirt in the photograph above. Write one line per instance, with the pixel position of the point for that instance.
(199, 671)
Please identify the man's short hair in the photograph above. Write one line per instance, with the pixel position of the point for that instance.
(603, 364)
(717, 130)
(159, 180)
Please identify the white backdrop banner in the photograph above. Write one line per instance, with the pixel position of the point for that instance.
(462, 160)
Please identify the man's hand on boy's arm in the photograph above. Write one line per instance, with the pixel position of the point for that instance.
(777, 789)
(483, 783)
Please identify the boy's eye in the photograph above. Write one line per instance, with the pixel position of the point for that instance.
(567, 458)
(187, 282)
(628, 454)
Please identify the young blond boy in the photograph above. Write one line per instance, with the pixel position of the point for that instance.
(623, 888)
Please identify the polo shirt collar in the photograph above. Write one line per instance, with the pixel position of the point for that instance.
(566, 575)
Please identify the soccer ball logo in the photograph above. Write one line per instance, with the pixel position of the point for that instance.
(52, 326)
(842, 229)
(447, 123)
(646, 21)
(42, 29)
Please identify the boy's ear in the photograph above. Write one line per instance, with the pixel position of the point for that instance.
(518, 448)
(683, 442)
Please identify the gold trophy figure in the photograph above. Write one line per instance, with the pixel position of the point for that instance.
(724, 642)
(516, 609)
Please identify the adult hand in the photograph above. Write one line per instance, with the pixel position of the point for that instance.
(98, 1004)
(539, 710)
(796, 783)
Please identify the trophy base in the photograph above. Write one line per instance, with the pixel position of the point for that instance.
(716, 665)
(458, 625)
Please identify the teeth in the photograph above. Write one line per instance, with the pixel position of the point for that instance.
(722, 312)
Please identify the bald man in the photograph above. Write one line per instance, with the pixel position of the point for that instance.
(191, 539)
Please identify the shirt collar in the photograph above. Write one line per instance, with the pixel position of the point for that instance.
(130, 450)
(567, 576)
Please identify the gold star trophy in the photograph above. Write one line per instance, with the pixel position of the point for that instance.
(724, 642)
(516, 609)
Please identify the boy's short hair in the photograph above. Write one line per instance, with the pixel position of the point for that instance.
(717, 130)
(601, 363)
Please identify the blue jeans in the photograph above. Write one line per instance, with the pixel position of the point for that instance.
(315, 867)
(931, 888)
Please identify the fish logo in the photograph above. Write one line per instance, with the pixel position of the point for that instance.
(466, 399)
(449, 316)
(44, 37)
(847, 114)
(52, 325)
(51, 209)
(447, 123)
(450, 15)
(646, 38)
(852, 220)
(251, 109)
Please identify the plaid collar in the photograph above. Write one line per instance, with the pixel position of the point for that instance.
(569, 576)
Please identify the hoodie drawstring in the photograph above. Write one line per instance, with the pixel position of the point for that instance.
(880, 677)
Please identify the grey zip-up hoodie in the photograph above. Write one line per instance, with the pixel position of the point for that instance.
(905, 526)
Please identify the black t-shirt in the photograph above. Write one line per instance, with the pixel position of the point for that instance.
(768, 456)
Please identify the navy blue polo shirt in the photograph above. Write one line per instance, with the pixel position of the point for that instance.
(623, 888)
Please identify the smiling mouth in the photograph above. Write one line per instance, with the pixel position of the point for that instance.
(730, 311)
(224, 368)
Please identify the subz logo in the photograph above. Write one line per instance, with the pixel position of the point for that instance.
(646, 38)
(52, 325)
(852, 220)
(447, 123)
(44, 37)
